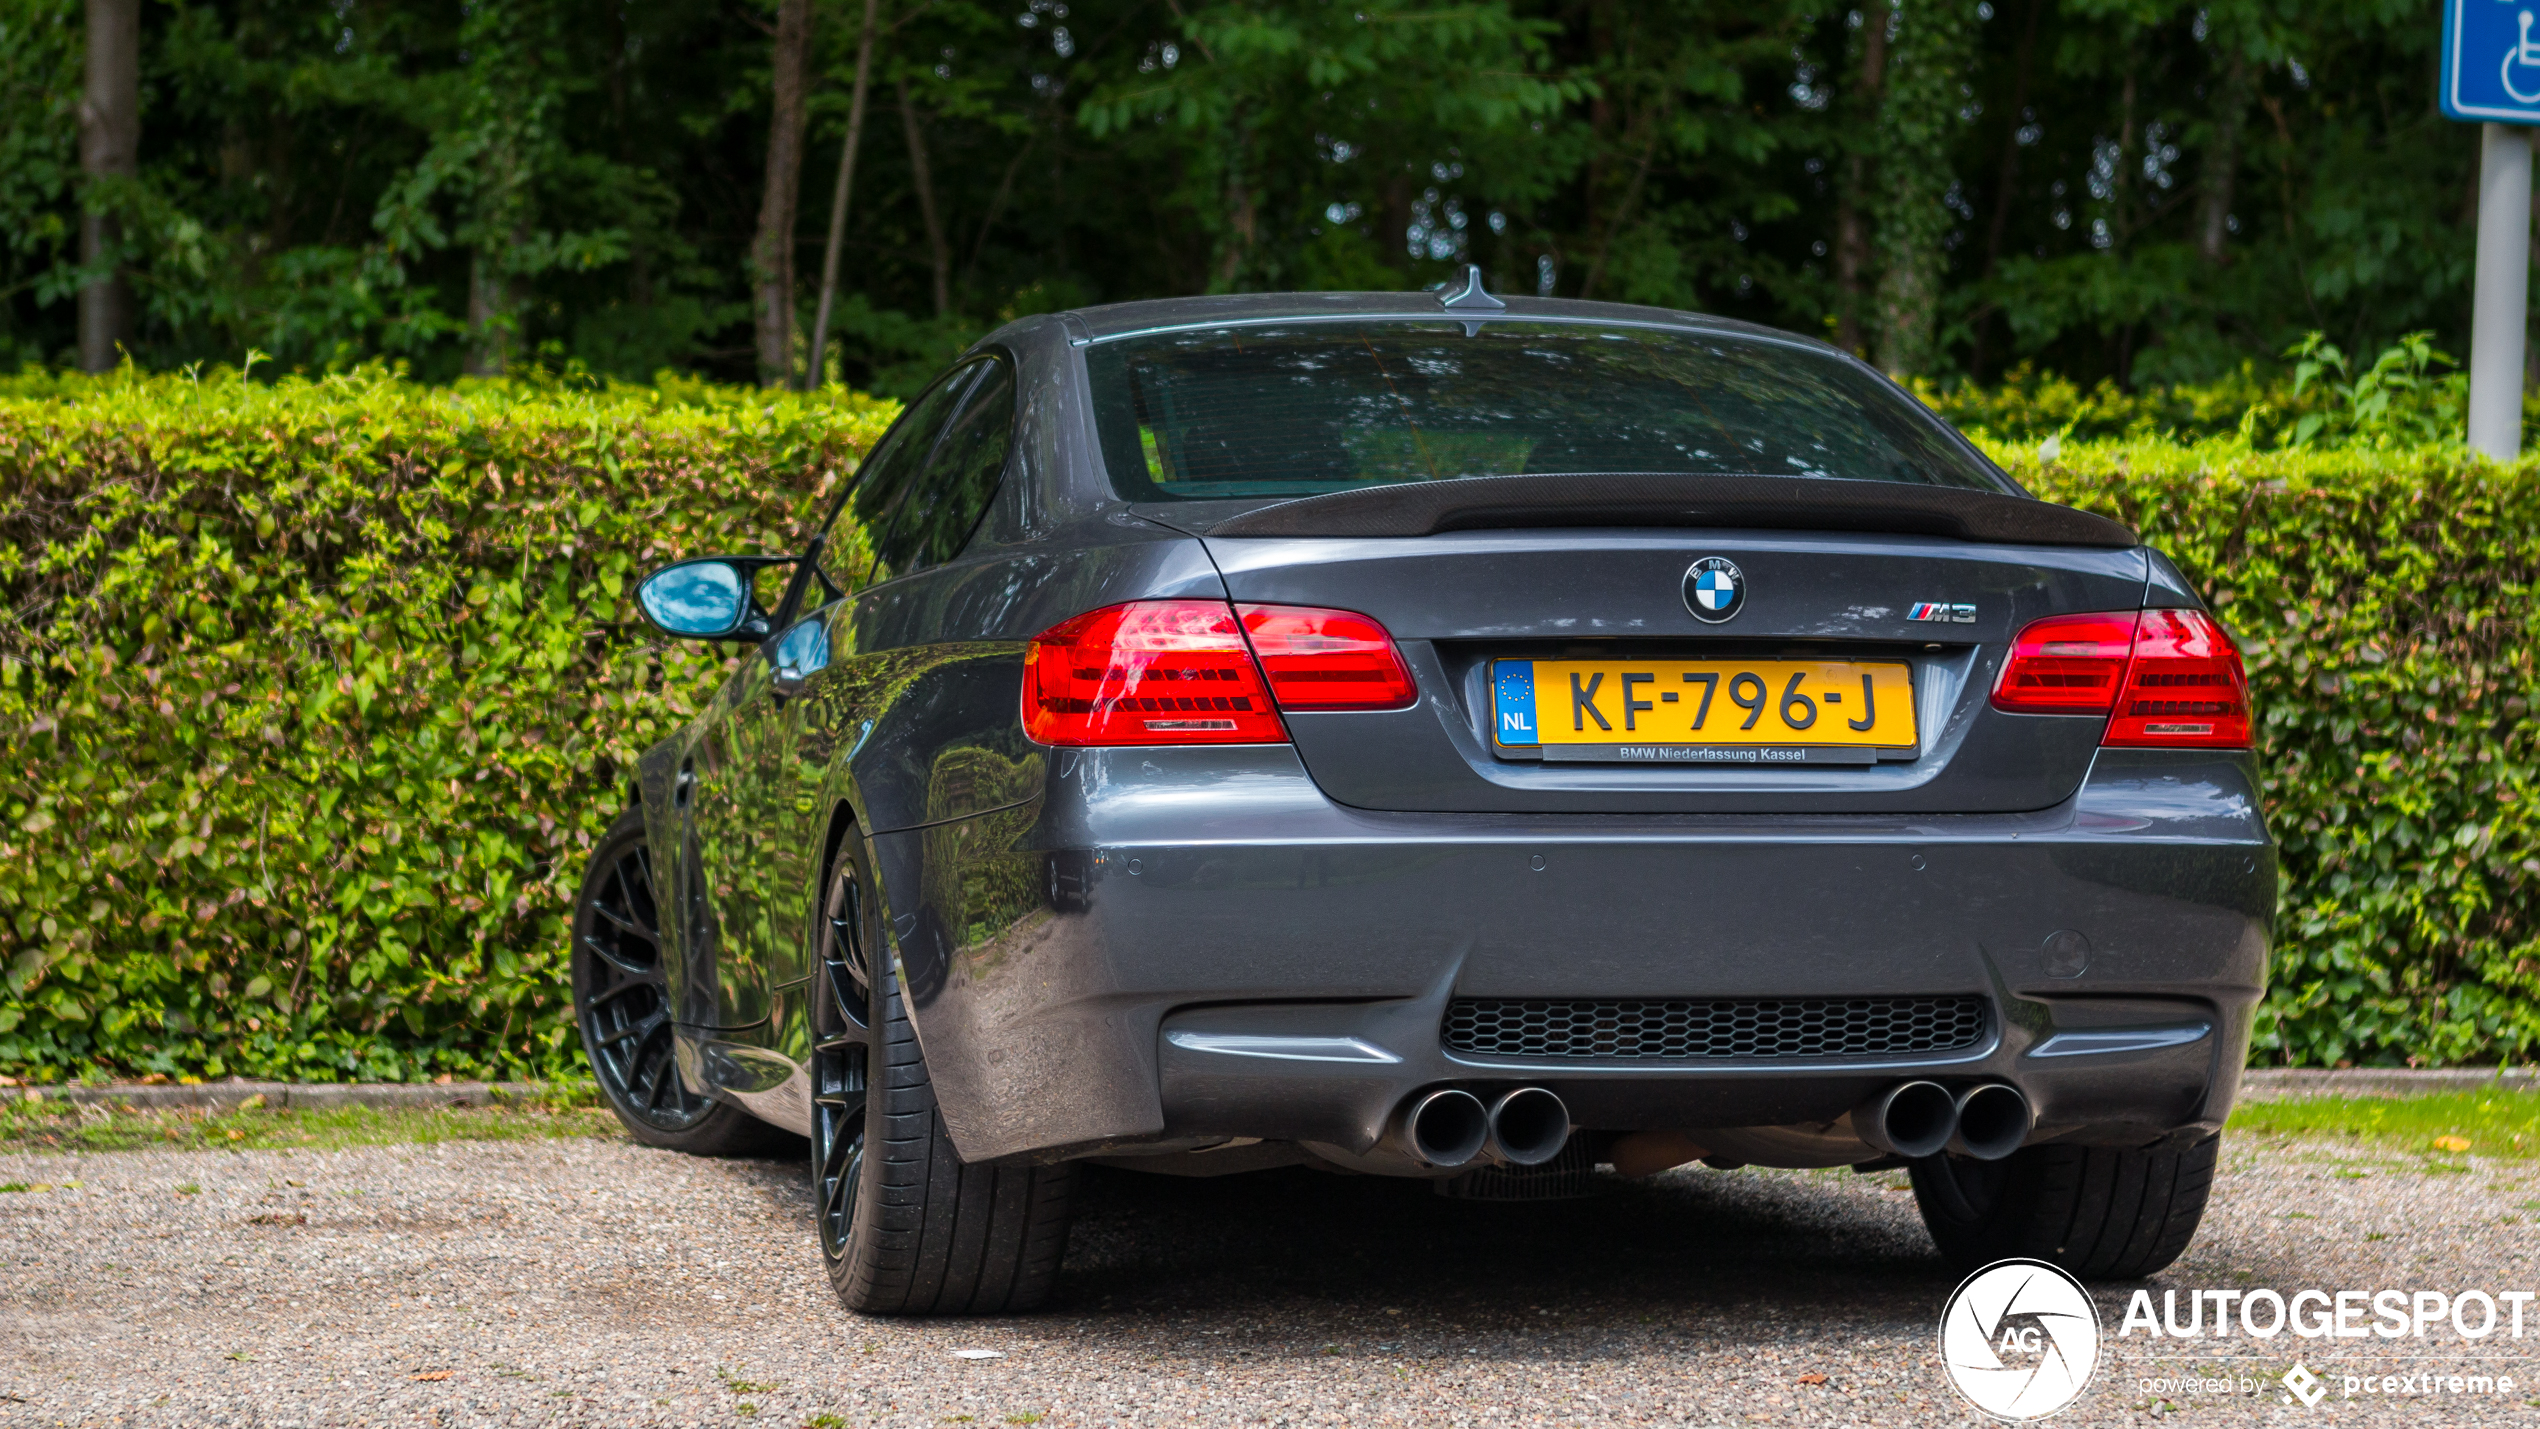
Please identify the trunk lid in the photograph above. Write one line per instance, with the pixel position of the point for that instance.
(1458, 600)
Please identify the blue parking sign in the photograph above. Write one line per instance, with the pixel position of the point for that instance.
(2491, 60)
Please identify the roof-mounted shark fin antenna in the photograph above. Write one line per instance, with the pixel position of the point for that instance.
(1470, 297)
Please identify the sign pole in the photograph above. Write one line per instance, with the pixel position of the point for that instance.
(2499, 301)
(2491, 78)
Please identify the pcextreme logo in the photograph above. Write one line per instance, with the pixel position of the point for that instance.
(2019, 1340)
(2304, 1385)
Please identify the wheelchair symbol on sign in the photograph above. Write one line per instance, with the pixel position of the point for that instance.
(2526, 55)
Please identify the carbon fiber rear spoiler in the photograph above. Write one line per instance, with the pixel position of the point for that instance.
(1788, 503)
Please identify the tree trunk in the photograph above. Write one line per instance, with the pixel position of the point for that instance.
(996, 207)
(1394, 197)
(2022, 63)
(1243, 221)
(2121, 208)
(484, 340)
(1851, 228)
(1621, 213)
(772, 254)
(1920, 118)
(1604, 115)
(838, 197)
(2121, 232)
(491, 299)
(109, 148)
(2222, 165)
(2007, 183)
(938, 249)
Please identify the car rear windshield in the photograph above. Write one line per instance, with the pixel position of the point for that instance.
(1308, 408)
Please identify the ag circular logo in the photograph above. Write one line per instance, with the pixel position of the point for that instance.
(2019, 1339)
(1715, 589)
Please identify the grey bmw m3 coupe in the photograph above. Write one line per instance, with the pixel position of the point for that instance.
(1439, 736)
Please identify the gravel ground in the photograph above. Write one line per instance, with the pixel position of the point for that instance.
(596, 1282)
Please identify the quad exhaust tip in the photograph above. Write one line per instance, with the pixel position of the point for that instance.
(1449, 1127)
(1992, 1121)
(1917, 1119)
(1528, 1127)
(1446, 1128)
(1910, 1119)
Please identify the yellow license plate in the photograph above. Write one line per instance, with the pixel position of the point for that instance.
(1705, 711)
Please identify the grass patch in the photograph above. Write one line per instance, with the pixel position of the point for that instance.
(2505, 1124)
(55, 1125)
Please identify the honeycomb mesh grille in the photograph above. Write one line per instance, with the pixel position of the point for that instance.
(1696, 1031)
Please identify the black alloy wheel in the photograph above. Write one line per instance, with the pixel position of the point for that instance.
(842, 1050)
(906, 1226)
(621, 996)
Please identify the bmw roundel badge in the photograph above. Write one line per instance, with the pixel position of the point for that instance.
(1715, 589)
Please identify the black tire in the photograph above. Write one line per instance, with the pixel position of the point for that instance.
(2100, 1212)
(905, 1227)
(622, 1001)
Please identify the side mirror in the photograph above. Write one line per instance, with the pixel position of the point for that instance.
(703, 600)
(802, 653)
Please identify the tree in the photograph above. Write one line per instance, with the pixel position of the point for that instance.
(922, 179)
(772, 254)
(1296, 124)
(2146, 190)
(1919, 120)
(813, 369)
(1853, 265)
(109, 157)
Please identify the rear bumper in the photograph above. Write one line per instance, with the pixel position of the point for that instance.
(1097, 971)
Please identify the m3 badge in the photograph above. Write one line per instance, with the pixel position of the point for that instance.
(1942, 611)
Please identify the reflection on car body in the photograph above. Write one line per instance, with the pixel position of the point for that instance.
(1537, 703)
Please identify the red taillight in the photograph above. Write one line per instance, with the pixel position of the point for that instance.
(2066, 664)
(1150, 672)
(2186, 686)
(1182, 672)
(2164, 678)
(1328, 659)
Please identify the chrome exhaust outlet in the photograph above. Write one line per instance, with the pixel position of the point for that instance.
(1910, 1119)
(1528, 1127)
(1445, 1128)
(1993, 1121)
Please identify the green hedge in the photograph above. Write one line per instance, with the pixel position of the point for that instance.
(311, 695)
(2382, 600)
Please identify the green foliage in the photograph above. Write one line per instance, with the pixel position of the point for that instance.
(1460, 87)
(2382, 599)
(40, 59)
(2400, 402)
(1919, 122)
(2396, 402)
(537, 1114)
(2493, 1123)
(313, 695)
(2155, 192)
(2029, 405)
